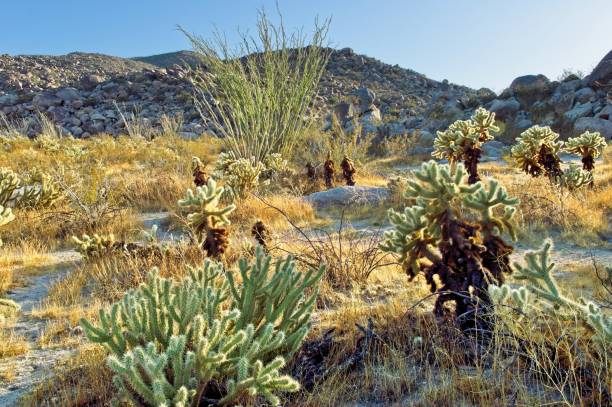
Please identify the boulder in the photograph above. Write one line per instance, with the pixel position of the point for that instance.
(561, 103)
(581, 110)
(605, 113)
(584, 95)
(89, 82)
(68, 94)
(345, 195)
(46, 100)
(492, 150)
(594, 124)
(344, 112)
(504, 109)
(366, 98)
(602, 74)
(536, 85)
(9, 99)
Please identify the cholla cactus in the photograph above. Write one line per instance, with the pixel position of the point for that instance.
(434, 236)
(6, 216)
(207, 217)
(537, 152)
(261, 234)
(274, 165)
(589, 146)
(329, 170)
(9, 186)
(39, 190)
(200, 176)
(348, 170)
(463, 139)
(538, 272)
(96, 245)
(170, 339)
(574, 178)
(239, 175)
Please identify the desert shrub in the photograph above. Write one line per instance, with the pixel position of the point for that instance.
(261, 89)
(207, 337)
(463, 140)
(454, 231)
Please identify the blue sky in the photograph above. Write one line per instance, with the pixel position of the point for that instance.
(470, 42)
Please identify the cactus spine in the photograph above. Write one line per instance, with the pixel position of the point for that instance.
(170, 339)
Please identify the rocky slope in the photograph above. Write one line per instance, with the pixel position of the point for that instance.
(82, 93)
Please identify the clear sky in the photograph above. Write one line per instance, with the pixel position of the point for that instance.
(471, 42)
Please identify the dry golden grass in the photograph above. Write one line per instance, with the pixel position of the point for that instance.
(19, 255)
(421, 360)
(12, 344)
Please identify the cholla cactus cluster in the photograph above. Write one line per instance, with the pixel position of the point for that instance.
(208, 217)
(537, 152)
(240, 176)
(6, 216)
(463, 140)
(37, 190)
(454, 230)
(542, 293)
(95, 245)
(589, 146)
(169, 340)
(574, 178)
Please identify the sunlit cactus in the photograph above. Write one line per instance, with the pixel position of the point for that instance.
(589, 146)
(538, 272)
(208, 217)
(348, 170)
(9, 186)
(200, 176)
(240, 176)
(463, 139)
(574, 178)
(454, 230)
(6, 216)
(95, 245)
(169, 340)
(536, 152)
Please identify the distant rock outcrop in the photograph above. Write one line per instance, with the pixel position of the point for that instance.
(80, 93)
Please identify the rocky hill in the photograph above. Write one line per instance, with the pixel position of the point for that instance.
(83, 92)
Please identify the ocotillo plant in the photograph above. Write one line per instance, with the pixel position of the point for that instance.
(536, 152)
(262, 91)
(538, 273)
(329, 171)
(454, 230)
(463, 140)
(169, 340)
(200, 176)
(348, 170)
(208, 218)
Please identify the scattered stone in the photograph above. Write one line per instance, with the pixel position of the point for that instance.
(348, 195)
